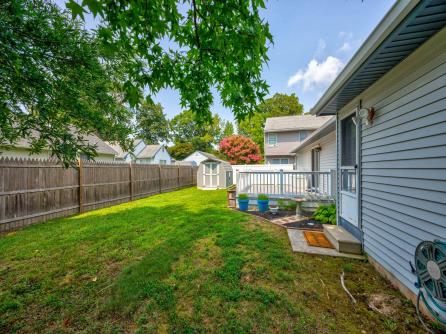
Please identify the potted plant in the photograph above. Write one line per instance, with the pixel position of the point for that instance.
(243, 202)
(274, 209)
(262, 202)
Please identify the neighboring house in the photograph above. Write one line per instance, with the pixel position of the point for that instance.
(22, 149)
(318, 151)
(150, 154)
(390, 107)
(282, 134)
(198, 156)
(121, 155)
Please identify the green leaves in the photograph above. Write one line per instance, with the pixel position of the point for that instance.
(326, 214)
(132, 94)
(94, 6)
(75, 8)
(151, 123)
(218, 45)
(70, 87)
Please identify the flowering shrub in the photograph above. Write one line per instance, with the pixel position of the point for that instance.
(240, 150)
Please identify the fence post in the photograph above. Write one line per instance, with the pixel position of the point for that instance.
(178, 179)
(159, 178)
(281, 182)
(191, 175)
(131, 180)
(81, 186)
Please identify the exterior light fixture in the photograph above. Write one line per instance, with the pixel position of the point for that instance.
(367, 115)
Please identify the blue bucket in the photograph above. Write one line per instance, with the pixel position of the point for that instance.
(263, 205)
(243, 204)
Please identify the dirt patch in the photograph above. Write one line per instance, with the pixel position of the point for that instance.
(384, 304)
(270, 216)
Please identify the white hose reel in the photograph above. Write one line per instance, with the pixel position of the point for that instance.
(430, 268)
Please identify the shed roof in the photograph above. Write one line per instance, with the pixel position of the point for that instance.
(291, 123)
(406, 26)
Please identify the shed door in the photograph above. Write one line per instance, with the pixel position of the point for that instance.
(349, 170)
(210, 174)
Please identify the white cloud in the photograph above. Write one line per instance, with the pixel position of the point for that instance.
(345, 47)
(320, 47)
(317, 74)
(345, 35)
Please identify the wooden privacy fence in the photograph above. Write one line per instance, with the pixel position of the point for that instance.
(33, 191)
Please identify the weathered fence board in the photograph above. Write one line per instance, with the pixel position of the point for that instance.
(33, 191)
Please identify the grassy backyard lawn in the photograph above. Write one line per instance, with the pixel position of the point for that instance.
(181, 262)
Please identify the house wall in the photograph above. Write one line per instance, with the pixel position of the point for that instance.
(327, 154)
(23, 153)
(162, 154)
(403, 160)
(286, 142)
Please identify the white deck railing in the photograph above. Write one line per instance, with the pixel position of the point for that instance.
(277, 184)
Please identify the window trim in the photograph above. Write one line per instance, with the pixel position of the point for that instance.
(272, 135)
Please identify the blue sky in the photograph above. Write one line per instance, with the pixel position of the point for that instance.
(313, 40)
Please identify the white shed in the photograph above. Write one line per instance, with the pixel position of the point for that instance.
(214, 173)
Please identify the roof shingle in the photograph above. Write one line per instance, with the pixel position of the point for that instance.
(291, 123)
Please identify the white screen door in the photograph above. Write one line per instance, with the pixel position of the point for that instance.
(349, 169)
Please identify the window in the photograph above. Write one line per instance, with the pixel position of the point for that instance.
(302, 135)
(348, 142)
(163, 162)
(272, 138)
(279, 161)
(348, 154)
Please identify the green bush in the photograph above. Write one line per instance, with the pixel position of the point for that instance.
(242, 196)
(326, 214)
(263, 197)
(286, 205)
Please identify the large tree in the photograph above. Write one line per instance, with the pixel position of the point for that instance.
(239, 149)
(192, 46)
(179, 151)
(56, 83)
(203, 136)
(151, 123)
(228, 130)
(278, 105)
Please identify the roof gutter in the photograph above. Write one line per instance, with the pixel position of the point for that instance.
(390, 21)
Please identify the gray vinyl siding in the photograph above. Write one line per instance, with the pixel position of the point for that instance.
(403, 166)
(327, 154)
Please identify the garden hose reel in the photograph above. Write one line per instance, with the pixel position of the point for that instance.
(430, 268)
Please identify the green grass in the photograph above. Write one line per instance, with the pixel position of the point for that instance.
(180, 262)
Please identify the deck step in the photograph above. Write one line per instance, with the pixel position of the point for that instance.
(343, 241)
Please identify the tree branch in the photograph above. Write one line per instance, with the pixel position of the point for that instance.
(197, 37)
